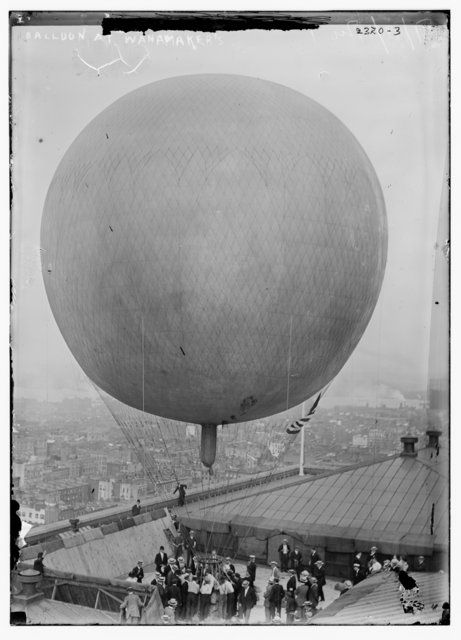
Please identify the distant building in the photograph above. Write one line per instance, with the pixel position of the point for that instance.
(360, 441)
(33, 514)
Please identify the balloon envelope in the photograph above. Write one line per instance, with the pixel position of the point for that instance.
(213, 247)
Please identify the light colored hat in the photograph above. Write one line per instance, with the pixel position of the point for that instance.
(274, 562)
(252, 556)
(172, 602)
(171, 560)
(291, 571)
(319, 562)
(180, 558)
(271, 580)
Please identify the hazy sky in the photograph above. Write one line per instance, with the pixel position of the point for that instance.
(390, 90)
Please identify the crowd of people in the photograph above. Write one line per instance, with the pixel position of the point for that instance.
(195, 588)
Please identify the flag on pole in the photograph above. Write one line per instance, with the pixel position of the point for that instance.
(295, 427)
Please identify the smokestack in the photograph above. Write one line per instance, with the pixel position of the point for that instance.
(433, 436)
(409, 446)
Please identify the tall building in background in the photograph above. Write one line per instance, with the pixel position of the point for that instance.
(438, 377)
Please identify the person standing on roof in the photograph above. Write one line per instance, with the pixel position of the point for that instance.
(267, 604)
(131, 607)
(38, 562)
(161, 561)
(246, 600)
(138, 572)
(313, 559)
(291, 583)
(181, 490)
(193, 591)
(275, 572)
(301, 594)
(296, 561)
(319, 573)
(275, 598)
(284, 555)
(136, 508)
(358, 573)
(251, 570)
(191, 548)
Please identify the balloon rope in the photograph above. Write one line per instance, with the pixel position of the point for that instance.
(289, 362)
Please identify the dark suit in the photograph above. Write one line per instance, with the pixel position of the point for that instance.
(358, 575)
(291, 584)
(275, 599)
(319, 573)
(191, 548)
(251, 570)
(138, 573)
(284, 557)
(246, 601)
(161, 561)
(296, 562)
(312, 560)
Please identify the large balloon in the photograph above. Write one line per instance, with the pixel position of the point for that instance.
(213, 247)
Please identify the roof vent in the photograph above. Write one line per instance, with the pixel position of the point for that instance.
(409, 446)
(433, 436)
(29, 580)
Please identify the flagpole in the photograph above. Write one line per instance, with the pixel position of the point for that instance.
(301, 452)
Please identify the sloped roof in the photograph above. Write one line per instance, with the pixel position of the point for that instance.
(392, 500)
(376, 600)
(46, 611)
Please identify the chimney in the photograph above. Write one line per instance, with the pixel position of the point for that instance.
(433, 436)
(29, 579)
(74, 524)
(409, 446)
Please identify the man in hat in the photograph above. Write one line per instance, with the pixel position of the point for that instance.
(313, 595)
(358, 573)
(228, 567)
(170, 572)
(301, 593)
(314, 556)
(319, 574)
(38, 562)
(170, 610)
(205, 596)
(284, 555)
(161, 561)
(138, 572)
(296, 561)
(373, 557)
(291, 584)
(131, 607)
(181, 489)
(275, 598)
(246, 600)
(275, 572)
(193, 590)
(267, 605)
(161, 590)
(136, 508)
(420, 564)
(191, 548)
(251, 569)
(173, 590)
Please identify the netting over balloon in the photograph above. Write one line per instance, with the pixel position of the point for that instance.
(213, 248)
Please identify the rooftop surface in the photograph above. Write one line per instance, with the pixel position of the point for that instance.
(402, 498)
(376, 601)
(53, 612)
